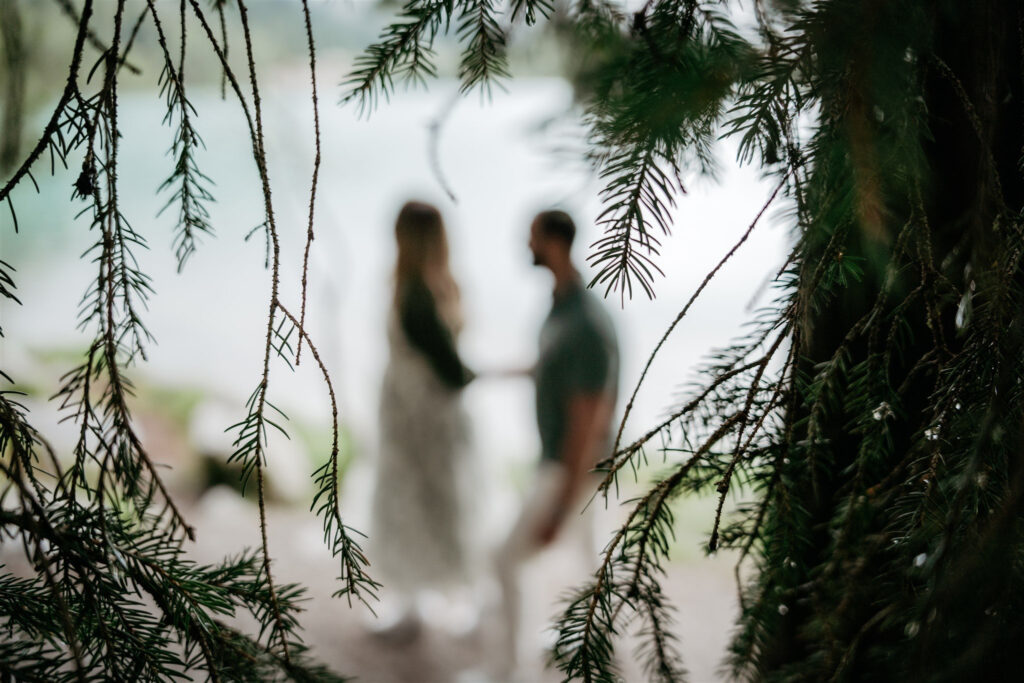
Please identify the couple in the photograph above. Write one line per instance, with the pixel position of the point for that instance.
(417, 507)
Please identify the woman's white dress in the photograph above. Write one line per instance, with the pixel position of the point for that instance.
(418, 532)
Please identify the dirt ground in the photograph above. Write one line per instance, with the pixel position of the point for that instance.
(457, 643)
(450, 649)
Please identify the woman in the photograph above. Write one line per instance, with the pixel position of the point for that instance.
(418, 504)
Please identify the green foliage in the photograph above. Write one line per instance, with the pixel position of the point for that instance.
(405, 52)
(483, 60)
(531, 11)
(190, 194)
(112, 594)
(872, 413)
(656, 99)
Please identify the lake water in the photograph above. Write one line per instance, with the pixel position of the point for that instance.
(502, 166)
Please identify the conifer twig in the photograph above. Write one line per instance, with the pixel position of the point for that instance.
(261, 398)
(686, 308)
(316, 172)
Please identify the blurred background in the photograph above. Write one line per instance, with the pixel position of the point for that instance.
(503, 158)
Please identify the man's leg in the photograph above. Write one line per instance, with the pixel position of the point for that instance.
(519, 547)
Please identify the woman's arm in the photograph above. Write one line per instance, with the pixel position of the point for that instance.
(428, 334)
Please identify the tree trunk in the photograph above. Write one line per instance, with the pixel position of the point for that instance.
(864, 590)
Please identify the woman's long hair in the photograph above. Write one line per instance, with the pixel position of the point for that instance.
(423, 255)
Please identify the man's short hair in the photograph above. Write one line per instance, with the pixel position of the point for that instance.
(556, 224)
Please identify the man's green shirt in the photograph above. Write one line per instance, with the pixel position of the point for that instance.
(579, 355)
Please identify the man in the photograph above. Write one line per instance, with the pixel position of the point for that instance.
(577, 383)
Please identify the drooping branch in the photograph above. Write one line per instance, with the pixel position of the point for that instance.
(707, 279)
(47, 139)
(316, 174)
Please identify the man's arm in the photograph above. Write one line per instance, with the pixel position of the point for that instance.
(588, 421)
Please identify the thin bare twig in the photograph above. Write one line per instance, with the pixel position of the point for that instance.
(316, 172)
(686, 308)
(261, 163)
(69, 9)
(52, 126)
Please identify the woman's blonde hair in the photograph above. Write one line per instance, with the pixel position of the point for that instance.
(423, 254)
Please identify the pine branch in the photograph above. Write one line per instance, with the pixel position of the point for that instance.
(316, 173)
(51, 136)
(68, 8)
(637, 190)
(326, 502)
(483, 58)
(531, 11)
(684, 311)
(190, 183)
(404, 52)
(122, 601)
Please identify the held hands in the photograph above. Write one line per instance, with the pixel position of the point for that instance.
(547, 531)
(506, 373)
(549, 527)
